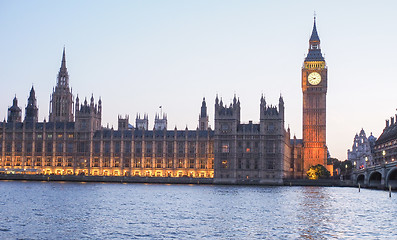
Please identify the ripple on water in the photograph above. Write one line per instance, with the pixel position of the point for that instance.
(47, 210)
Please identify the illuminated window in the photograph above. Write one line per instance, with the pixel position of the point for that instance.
(224, 164)
(225, 148)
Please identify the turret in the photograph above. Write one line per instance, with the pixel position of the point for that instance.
(203, 117)
(31, 110)
(14, 112)
(123, 123)
(77, 107)
(142, 123)
(88, 117)
(227, 118)
(160, 122)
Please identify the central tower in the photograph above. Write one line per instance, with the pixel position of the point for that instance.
(314, 88)
(61, 104)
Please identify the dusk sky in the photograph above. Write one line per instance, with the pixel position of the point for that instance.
(139, 55)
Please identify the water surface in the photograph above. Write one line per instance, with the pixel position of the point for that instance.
(60, 210)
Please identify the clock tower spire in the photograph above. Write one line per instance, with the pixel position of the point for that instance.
(314, 88)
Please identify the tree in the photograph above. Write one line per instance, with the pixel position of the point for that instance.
(318, 171)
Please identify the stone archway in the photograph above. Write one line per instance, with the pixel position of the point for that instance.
(361, 179)
(375, 179)
(392, 178)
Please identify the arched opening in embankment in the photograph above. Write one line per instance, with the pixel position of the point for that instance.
(375, 179)
(360, 179)
(392, 178)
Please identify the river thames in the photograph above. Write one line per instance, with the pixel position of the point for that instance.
(60, 210)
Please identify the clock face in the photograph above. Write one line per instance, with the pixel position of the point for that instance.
(314, 78)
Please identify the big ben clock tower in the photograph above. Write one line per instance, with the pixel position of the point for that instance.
(314, 88)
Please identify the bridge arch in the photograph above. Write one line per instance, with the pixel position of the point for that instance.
(391, 178)
(375, 179)
(361, 179)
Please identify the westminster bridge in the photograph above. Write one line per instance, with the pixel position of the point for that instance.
(378, 176)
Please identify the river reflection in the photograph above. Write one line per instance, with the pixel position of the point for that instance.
(49, 210)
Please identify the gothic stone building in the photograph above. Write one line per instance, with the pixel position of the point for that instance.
(245, 152)
(385, 149)
(74, 141)
(361, 154)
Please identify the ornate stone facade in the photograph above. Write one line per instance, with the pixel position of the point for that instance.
(75, 142)
(314, 87)
(361, 155)
(251, 152)
(385, 149)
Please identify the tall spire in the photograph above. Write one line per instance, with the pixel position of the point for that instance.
(314, 37)
(61, 105)
(63, 76)
(314, 53)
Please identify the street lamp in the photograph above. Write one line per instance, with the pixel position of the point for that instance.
(384, 153)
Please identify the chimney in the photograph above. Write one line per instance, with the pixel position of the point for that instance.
(391, 120)
(387, 123)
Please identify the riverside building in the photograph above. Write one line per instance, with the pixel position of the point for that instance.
(74, 141)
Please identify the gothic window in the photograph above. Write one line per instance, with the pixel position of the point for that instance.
(169, 163)
(117, 147)
(49, 147)
(28, 162)
(59, 162)
(97, 147)
(224, 164)
(59, 147)
(18, 146)
(191, 163)
(247, 164)
(149, 149)
(138, 149)
(127, 147)
(202, 163)
(106, 162)
(158, 163)
(126, 162)
(48, 162)
(28, 147)
(96, 162)
(192, 149)
(270, 164)
(8, 147)
(148, 163)
(38, 161)
(137, 162)
(180, 163)
(170, 149)
(107, 147)
(181, 149)
(225, 148)
(117, 162)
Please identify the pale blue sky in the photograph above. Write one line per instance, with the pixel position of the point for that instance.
(138, 55)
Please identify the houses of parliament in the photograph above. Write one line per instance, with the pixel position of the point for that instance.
(74, 142)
